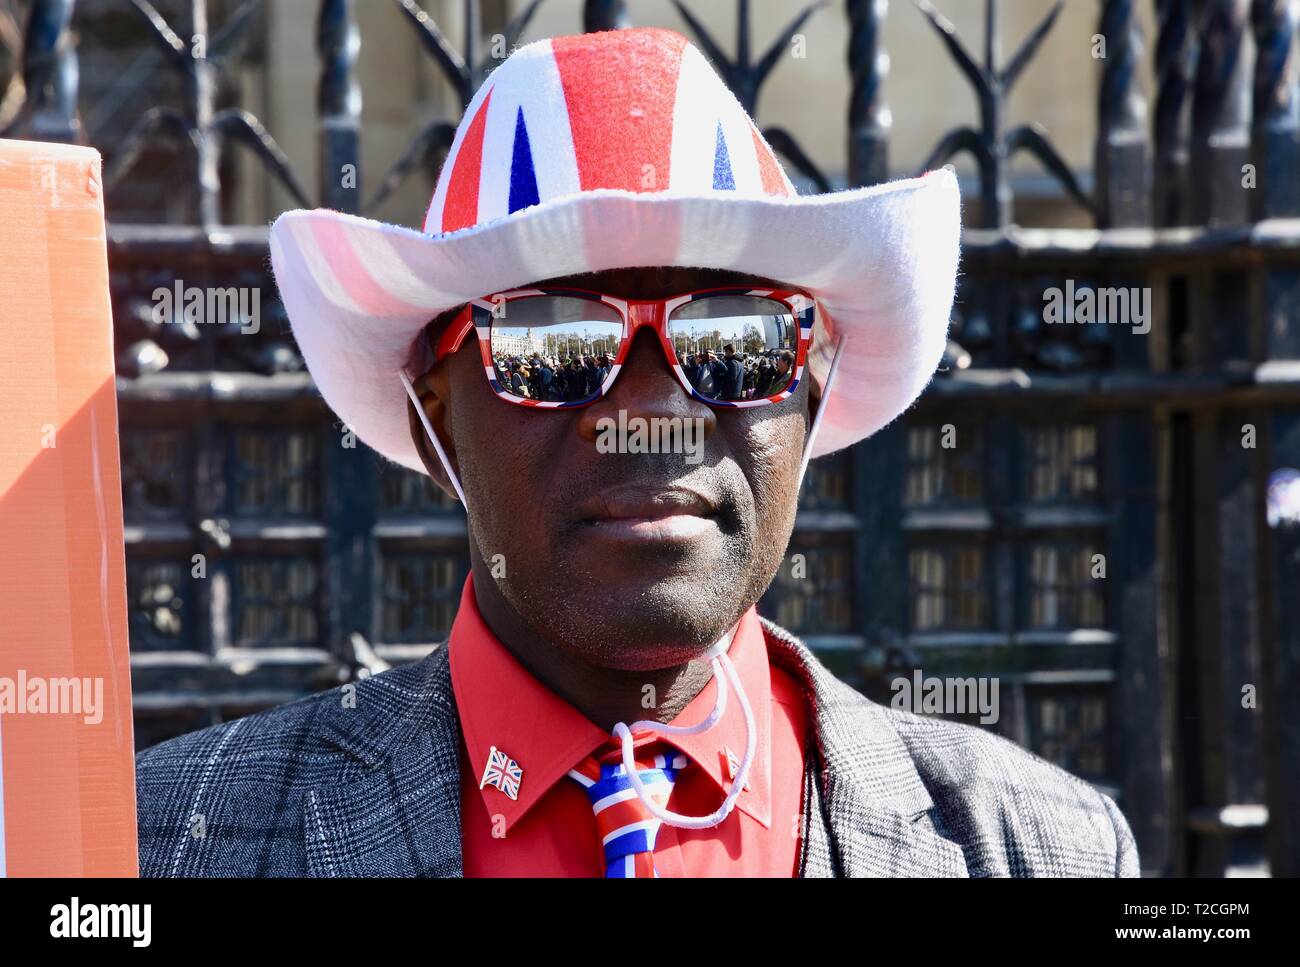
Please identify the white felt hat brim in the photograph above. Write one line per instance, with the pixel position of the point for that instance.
(882, 262)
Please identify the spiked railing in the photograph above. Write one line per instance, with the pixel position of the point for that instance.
(1176, 51)
(464, 71)
(991, 145)
(742, 75)
(745, 77)
(1275, 130)
(201, 129)
(1123, 173)
(338, 100)
(1221, 112)
(869, 118)
(604, 15)
(49, 76)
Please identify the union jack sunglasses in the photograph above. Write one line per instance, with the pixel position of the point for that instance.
(557, 348)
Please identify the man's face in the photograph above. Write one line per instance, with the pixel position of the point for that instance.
(630, 561)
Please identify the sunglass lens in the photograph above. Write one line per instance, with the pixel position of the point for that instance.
(735, 348)
(553, 348)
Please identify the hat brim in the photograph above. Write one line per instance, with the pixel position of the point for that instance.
(881, 261)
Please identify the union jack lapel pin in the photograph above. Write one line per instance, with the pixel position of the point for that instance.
(502, 772)
(733, 764)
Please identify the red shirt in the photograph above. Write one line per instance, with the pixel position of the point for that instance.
(550, 830)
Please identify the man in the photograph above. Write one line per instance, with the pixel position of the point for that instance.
(691, 367)
(783, 364)
(762, 376)
(609, 588)
(719, 376)
(733, 373)
(593, 376)
(518, 379)
(704, 375)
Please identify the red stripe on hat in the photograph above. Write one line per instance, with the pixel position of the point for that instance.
(620, 93)
(460, 208)
(769, 168)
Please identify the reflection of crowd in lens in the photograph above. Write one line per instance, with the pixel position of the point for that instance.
(553, 379)
(734, 376)
(729, 376)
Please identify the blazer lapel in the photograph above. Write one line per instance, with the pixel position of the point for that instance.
(401, 815)
(878, 819)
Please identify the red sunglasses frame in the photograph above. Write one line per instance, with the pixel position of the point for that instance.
(635, 314)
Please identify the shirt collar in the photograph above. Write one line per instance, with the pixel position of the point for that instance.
(501, 704)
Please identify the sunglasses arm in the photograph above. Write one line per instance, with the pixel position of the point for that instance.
(433, 438)
(455, 333)
(821, 410)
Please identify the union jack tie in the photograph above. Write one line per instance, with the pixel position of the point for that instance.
(627, 829)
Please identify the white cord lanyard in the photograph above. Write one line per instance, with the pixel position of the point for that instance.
(720, 661)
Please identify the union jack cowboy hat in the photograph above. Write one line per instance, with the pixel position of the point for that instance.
(612, 150)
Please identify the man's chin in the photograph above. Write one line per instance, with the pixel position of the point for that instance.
(644, 627)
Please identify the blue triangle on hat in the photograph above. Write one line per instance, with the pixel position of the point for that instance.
(523, 180)
(722, 177)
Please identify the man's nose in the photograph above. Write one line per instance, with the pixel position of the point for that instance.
(647, 388)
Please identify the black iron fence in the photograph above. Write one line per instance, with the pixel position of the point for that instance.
(1097, 515)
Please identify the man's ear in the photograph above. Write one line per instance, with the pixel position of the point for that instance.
(433, 391)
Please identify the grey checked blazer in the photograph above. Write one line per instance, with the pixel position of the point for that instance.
(328, 787)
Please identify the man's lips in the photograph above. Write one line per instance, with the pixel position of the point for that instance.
(650, 514)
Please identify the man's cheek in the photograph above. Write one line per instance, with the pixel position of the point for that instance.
(775, 447)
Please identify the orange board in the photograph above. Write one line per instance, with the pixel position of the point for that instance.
(67, 789)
